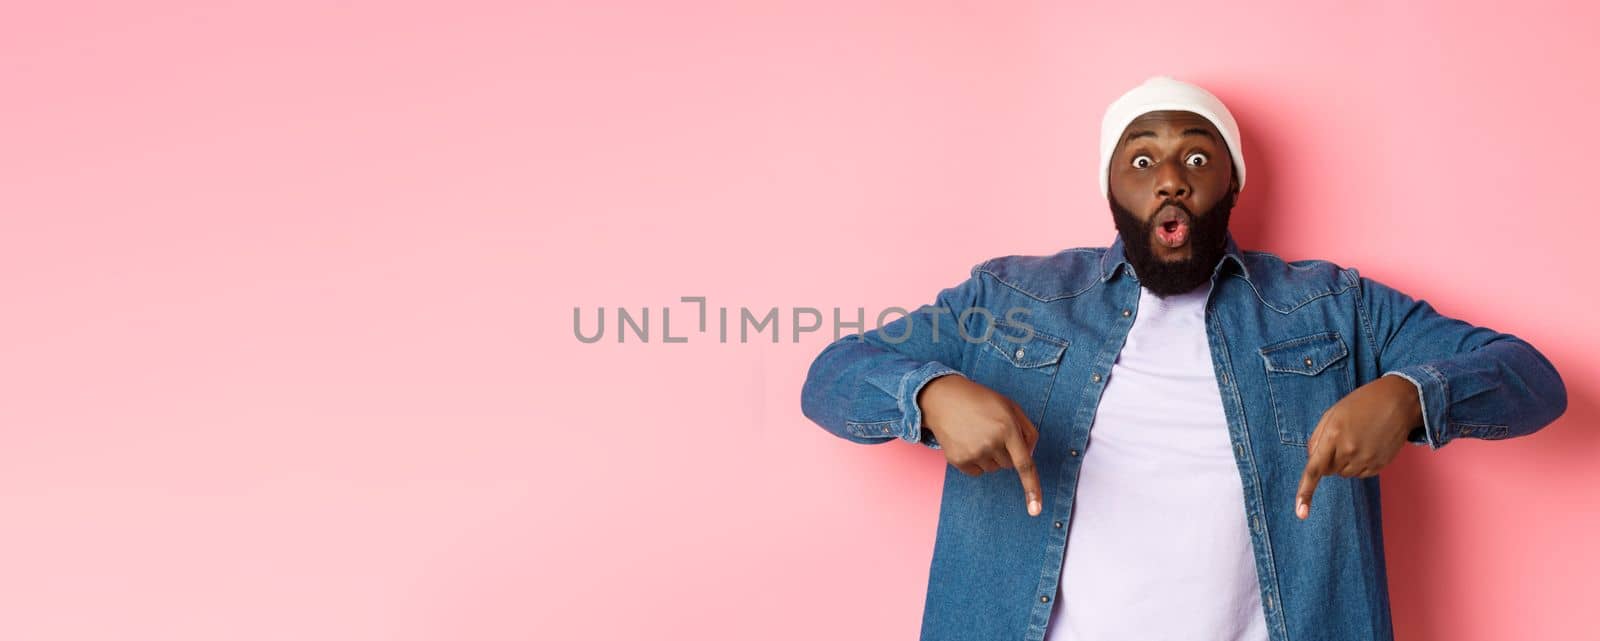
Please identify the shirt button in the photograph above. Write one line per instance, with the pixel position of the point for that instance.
(1044, 599)
(1308, 361)
(1126, 313)
(1019, 353)
(1072, 452)
(1095, 378)
(1058, 525)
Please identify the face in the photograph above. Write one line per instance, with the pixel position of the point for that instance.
(1172, 189)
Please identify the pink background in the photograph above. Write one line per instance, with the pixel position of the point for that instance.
(287, 340)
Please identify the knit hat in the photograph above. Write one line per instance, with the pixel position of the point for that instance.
(1162, 93)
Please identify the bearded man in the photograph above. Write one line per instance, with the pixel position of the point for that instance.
(1135, 434)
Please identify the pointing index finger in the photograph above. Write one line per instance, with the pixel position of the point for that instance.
(1316, 467)
(1023, 460)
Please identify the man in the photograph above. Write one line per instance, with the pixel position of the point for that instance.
(1173, 407)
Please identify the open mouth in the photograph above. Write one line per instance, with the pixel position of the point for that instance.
(1172, 226)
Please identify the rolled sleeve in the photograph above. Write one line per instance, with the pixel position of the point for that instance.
(1431, 394)
(910, 386)
(1472, 381)
(864, 388)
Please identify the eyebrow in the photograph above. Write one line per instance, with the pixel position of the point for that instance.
(1192, 131)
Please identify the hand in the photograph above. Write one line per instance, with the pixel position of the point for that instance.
(980, 430)
(1359, 435)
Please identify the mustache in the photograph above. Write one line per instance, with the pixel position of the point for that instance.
(1174, 203)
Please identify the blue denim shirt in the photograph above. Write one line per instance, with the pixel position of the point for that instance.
(1287, 339)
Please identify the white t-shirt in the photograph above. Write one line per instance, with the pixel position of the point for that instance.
(1158, 547)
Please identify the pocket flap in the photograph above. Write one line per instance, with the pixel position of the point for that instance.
(1022, 350)
(1307, 355)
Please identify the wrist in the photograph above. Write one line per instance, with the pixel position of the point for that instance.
(1407, 401)
(928, 399)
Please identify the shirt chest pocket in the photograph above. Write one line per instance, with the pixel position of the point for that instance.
(1305, 377)
(1022, 365)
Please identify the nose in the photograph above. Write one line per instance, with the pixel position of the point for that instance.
(1171, 182)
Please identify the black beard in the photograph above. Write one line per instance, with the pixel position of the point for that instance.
(1207, 240)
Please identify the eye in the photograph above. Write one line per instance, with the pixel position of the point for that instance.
(1142, 161)
(1197, 160)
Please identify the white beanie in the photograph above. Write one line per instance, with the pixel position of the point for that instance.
(1162, 93)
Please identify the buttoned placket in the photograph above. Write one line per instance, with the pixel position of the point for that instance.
(1056, 541)
(1254, 504)
(1233, 405)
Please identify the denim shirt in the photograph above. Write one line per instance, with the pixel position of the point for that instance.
(1288, 339)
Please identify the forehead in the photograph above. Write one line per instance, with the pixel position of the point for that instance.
(1167, 124)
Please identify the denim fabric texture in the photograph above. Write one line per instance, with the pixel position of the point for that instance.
(1288, 339)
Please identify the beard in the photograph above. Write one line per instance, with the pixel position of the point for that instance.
(1207, 241)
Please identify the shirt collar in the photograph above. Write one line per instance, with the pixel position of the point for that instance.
(1114, 258)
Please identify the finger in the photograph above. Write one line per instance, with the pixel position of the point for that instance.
(1316, 467)
(1023, 460)
(1001, 460)
(970, 469)
(1030, 432)
(1316, 435)
(987, 465)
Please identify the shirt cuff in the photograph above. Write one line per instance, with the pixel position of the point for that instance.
(911, 385)
(1431, 394)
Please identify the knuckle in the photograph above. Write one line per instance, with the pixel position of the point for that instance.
(992, 426)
